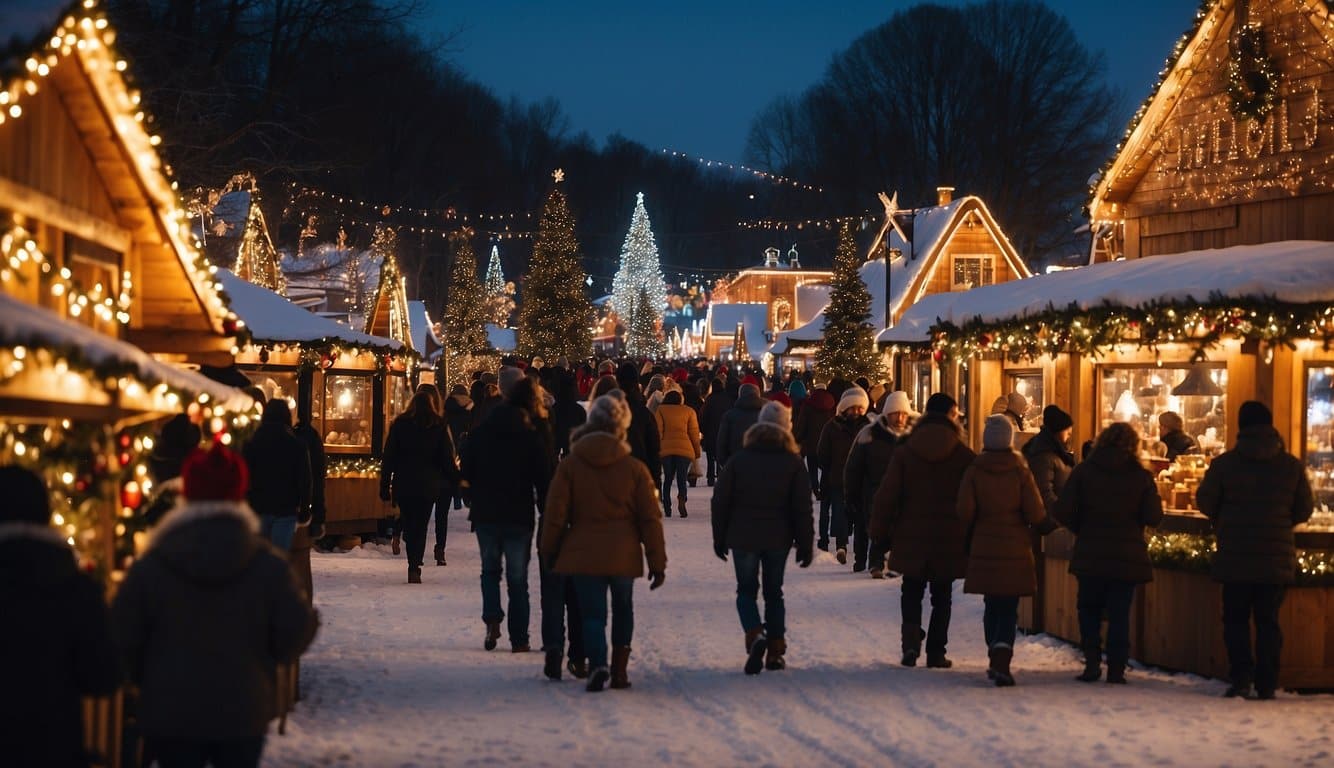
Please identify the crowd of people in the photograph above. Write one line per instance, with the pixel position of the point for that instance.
(582, 462)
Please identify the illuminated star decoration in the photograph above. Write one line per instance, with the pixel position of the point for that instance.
(558, 175)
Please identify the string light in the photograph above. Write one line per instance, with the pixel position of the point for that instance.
(739, 168)
(449, 213)
(859, 221)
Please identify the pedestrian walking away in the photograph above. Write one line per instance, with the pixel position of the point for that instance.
(678, 430)
(832, 453)
(418, 471)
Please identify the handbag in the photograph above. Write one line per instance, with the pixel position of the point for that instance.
(696, 470)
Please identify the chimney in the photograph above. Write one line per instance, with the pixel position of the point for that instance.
(944, 195)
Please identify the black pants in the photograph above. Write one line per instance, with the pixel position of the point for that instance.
(172, 753)
(558, 602)
(910, 605)
(1105, 596)
(1241, 602)
(442, 520)
(861, 542)
(416, 516)
(712, 467)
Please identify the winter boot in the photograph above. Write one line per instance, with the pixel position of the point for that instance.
(912, 644)
(938, 661)
(1239, 690)
(492, 635)
(1000, 655)
(756, 644)
(1116, 671)
(681, 506)
(439, 554)
(773, 657)
(578, 668)
(551, 668)
(842, 555)
(1092, 663)
(666, 506)
(877, 571)
(414, 575)
(597, 679)
(620, 660)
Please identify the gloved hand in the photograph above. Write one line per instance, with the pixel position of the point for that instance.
(656, 580)
(805, 557)
(721, 551)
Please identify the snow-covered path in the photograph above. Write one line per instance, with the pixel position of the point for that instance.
(398, 677)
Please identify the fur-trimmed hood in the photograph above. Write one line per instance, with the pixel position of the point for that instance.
(765, 435)
(207, 542)
(874, 431)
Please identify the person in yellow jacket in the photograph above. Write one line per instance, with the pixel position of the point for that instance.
(678, 430)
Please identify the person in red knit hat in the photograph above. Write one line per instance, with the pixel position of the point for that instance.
(204, 617)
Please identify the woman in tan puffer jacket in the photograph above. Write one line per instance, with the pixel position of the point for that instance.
(600, 523)
(678, 433)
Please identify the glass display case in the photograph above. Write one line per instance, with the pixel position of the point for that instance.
(1138, 395)
(400, 392)
(346, 412)
(921, 386)
(1318, 448)
(1028, 383)
(276, 384)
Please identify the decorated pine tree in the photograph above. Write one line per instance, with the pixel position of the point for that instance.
(555, 315)
(639, 267)
(642, 338)
(465, 310)
(499, 294)
(740, 350)
(848, 349)
(256, 258)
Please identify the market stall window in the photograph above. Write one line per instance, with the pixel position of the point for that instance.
(1028, 383)
(400, 392)
(921, 384)
(1319, 437)
(973, 271)
(1141, 395)
(347, 413)
(275, 384)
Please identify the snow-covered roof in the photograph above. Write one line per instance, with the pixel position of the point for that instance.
(28, 325)
(902, 273)
(754, 319)
(811, 298)
(420, 329)
(502, 339)
(272, 318)
(1291, 272)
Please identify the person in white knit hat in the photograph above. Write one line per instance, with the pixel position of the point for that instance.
(868, 460)
(832, 453)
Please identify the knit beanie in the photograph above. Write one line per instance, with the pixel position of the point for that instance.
(611, 412)
(940, 403)
(1055, 419)
(26, 499)
(853, 396)
(748, 392)
(897, 402)
(1016, 403)
(216, 474)
(1254, 414)
(509, 376)
(1000, 404)
(777, 414)
(998, 433)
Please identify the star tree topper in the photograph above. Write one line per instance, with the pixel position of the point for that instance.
(558, 175)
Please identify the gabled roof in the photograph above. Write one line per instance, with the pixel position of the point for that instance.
(272, 319)
(421, 330)
(388, 315)
(753, 318)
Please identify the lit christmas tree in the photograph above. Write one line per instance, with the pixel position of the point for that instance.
(465, 317)
(848, 349)
(499, 294)
(639, 267)
(387, 310)
(556, 317)
(740, 350)
(642, 338)
(256, 258)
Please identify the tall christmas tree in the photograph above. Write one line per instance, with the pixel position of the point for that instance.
(848, 349)
(639, 267)
(465, 311)
(499, 294)
(642, 338)
(256, 258)
(555, 316)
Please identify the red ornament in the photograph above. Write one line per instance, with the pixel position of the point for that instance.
(230, 326)
(938, 355)
(124, 458)
(131, 495)
(325, 360)
(124, 441)
(984, 340)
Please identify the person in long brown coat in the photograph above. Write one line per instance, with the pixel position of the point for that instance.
(1000, 504)
(1106, 503)
(914, 509)
(601, 521)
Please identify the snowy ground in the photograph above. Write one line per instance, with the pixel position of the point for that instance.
(398, 677)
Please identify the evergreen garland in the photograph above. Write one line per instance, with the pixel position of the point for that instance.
(848, 348)
(465, 311)
(555, 316)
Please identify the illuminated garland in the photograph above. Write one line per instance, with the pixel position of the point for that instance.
(1194, 553)
(353, 468)
(17, 249)
(1097, 330)
(771, 177)
(859, 222)
(1252, 76)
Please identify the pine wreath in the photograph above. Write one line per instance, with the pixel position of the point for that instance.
(1252, 81)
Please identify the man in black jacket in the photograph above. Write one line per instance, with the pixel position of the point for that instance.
(741, 417)
(280, 487)
(506, 468)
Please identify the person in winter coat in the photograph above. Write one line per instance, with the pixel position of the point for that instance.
(567, 413)
(486, 395)
(679, 431)
(204, 617)
(601, 522)
(869, 460)
(816, 411)
(507, 468)
(1172, 434)
(645, 442)
(743, 414)
(796, 391)
(57, 637)
(716, 406)
(178, 437)
(458, 409)
(319, 470)
(915, 508)
(1254, 494)
(832, 454)
(1000, 506)
(761, 510)
(418, 470)
(1048, 456)
(1106, 503)
(280, 484)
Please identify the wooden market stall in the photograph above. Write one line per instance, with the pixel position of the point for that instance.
(348, 384)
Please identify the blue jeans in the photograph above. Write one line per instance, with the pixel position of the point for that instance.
(677, 467)
(749, 566)
(278, 530)
(1096, 597)
(514, 543)
(1000, 616)
(592, 593)
(557, 598)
